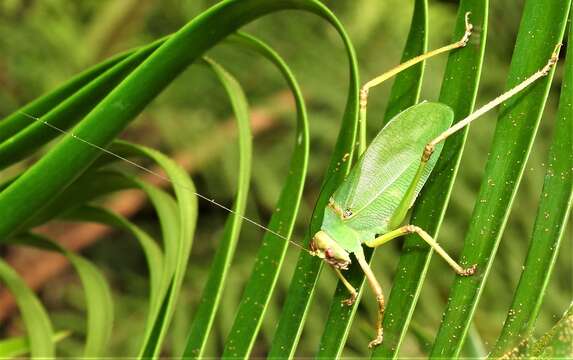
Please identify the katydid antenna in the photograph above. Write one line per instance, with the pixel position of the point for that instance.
(162, 177)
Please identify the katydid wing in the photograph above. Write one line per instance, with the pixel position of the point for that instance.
(375, 186)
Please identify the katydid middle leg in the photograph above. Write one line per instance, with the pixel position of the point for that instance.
(410, 229)
(349, 287)
(375, 285)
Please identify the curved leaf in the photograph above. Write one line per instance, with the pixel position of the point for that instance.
(38, 324)
(152, 251)
(542, 27)
(211, 296)
(19, 346)
(97, 294)
(31, 133)
(308, 268)
(176, 259)
(268, 262)
(161, 267)
(94, 184)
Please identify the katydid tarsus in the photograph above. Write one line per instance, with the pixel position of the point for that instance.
(371, 204)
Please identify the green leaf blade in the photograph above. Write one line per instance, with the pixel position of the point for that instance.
(152, 251)
(98, 299)
(210, 299)
(38, 325)
(16, 347)
(550, 223)
(260, 285)
(176, 259)
(542, 27)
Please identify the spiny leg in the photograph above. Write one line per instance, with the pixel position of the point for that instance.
(492, 104)
(377, 289)
(351, 289)
(409, 229)
(394, 71)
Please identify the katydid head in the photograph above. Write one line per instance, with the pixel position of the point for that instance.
(323, 246)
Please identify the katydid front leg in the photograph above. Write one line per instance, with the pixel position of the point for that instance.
(377, 289)
(351, 289)
(394, 71)
(410, 229)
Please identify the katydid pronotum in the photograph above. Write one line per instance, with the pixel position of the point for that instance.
(373, 201)
(371, 204)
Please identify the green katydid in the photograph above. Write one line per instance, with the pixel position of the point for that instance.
(371, 204)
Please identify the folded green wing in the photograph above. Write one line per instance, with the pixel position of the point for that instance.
(376, 184)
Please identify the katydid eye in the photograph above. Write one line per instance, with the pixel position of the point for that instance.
(328, 252)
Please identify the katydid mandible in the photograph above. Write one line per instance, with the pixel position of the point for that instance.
(371, 204)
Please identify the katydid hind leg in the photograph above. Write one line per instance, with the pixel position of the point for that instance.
(544, 71)
(408, 198)
(409, 229)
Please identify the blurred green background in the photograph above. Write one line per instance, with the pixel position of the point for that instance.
(43, 43)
